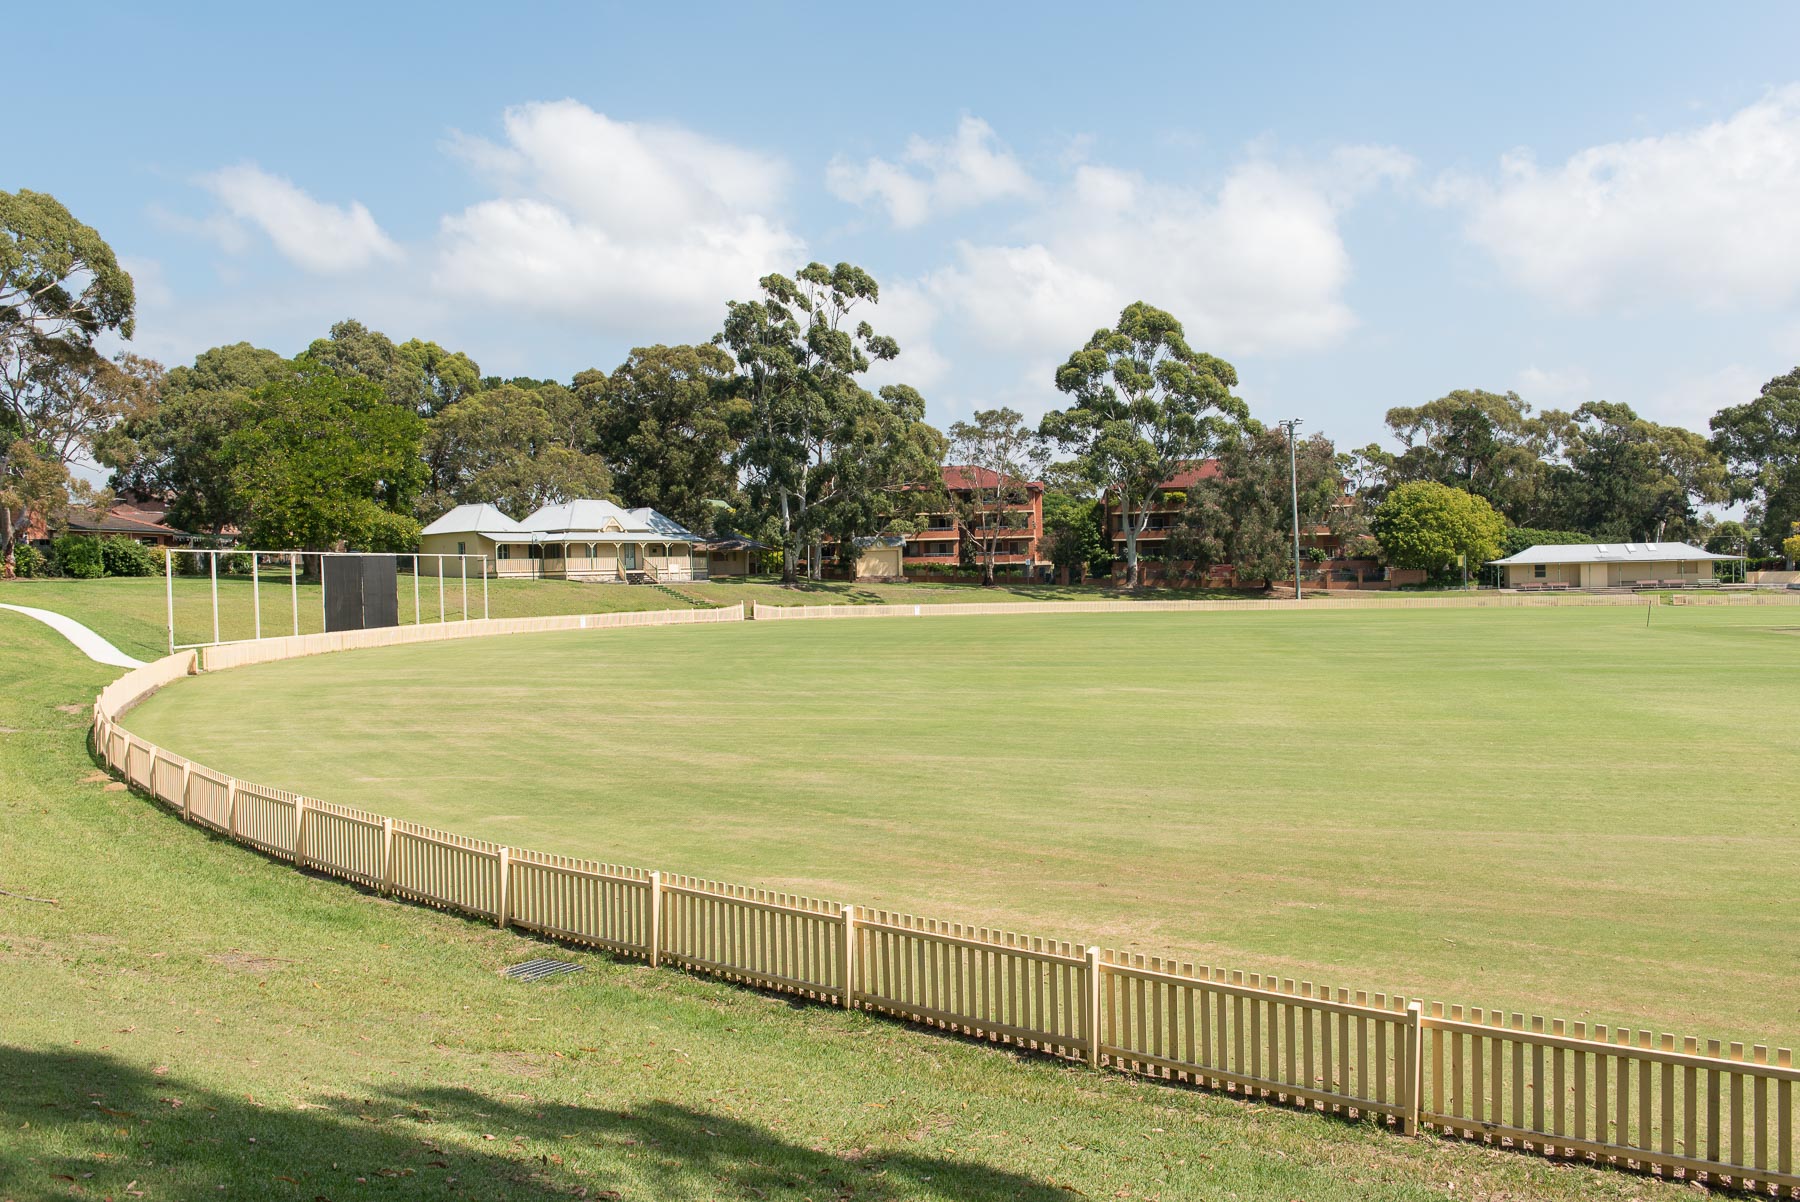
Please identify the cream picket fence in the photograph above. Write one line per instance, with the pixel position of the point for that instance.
(1265, 1039)
(1017, 989)
(1698, 1111)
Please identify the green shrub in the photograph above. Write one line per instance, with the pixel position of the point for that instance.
(79, 556)
(28, 562)
(121, 556)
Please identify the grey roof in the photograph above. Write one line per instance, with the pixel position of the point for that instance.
(1611, 553)
(571, 521)
(587, 514)
(472, 519)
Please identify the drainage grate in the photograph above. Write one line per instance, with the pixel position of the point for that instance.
(537, 970)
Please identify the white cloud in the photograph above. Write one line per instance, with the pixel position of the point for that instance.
(967, 169)
(615, 221)
(907, 314)
(318, 237)
(1257, 264)
(1692, 400)
(1710, 215)
(1555, 386)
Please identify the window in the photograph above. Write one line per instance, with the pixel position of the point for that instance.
(1539, 571)
(593, 551)
(503, 551)
(462, 549)
(534, 551)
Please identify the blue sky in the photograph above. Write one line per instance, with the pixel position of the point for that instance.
(1359, 209)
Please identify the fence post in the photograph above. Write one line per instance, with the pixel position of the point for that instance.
(848, 997)
(186, 808)
(231, 807)
(387, 857)
(1093, 1007)
(1413, 1084)
(505, 876)
(299, 832)
(655, 918)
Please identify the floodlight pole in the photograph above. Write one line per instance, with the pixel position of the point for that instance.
(440, 567)
(463, 562)
(294, 585)
(416, 566)
(484, 599)
(256, 593)
(169, 587)
(1294, 489)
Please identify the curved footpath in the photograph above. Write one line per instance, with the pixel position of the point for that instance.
(85, 640)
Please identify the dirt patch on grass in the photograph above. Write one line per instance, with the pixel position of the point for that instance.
(236, 961)
(95, 777)
(73, 709)
(519, 1064)
(117, 786)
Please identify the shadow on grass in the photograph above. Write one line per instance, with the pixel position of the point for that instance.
(84, 1123)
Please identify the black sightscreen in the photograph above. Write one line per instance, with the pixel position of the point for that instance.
(380, 590)
(361, 591)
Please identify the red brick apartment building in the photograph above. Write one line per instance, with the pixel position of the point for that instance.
(941, 542)
(1165, 515)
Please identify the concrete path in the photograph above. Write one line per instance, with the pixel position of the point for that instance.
(85, 640)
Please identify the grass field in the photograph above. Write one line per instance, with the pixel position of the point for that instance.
(193, 1021)
(133, 613)
(1562, 812)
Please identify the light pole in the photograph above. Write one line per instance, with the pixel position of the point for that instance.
(1290, 425)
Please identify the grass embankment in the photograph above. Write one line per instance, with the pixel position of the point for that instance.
(133, 612)
(1560, 812)
(194, 1021)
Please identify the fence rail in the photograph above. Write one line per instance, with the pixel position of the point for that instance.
(777, 613)
(1627, 1098)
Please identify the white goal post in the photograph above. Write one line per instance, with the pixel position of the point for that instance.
(290, 567)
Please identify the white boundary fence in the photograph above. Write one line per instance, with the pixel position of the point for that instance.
(1316, 604)
(1624, 1098)
(294, 562)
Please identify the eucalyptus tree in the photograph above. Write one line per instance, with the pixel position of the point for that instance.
(1244, 514)
(1145, 406)
(61, 289)
(1759, 442)
(798, 356)
(666, 422)
(994, 460)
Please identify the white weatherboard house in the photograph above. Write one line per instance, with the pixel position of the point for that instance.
(576, 540)
(1609, 565)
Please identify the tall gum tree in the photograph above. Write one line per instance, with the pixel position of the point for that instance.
(798, 356)
(1759, 442)
(61, 288)
(1145, 405)
(995, 458)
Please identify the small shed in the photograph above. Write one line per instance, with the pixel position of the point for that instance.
(882, 558)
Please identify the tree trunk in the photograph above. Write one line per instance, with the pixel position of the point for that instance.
(9, 556)
(1131, 552)
(790, 557)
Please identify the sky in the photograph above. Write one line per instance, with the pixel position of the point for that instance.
(1357, 206)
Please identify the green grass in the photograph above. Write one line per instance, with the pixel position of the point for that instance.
(133, 613)
(1560, 812)
(194, 1021)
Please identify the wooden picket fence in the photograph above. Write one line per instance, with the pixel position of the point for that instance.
(1698, 1112)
